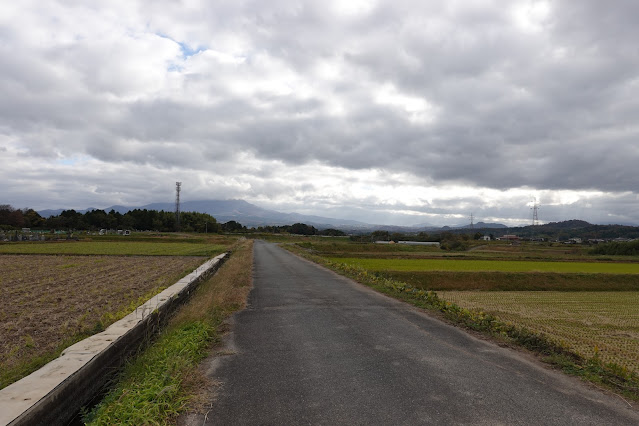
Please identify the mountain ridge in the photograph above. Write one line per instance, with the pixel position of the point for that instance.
(234, 209)
(251, 215)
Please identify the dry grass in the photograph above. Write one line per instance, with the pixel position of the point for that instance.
(50, 301)
(226, 292)
(227, 289)
(605, 324)
(140, 396)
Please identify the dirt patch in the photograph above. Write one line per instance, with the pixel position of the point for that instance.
(50, 301)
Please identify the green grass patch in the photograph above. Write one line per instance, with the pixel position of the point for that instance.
(352, 247)
(163, 380)
(151, 388)
(490, 265)
(117, 248)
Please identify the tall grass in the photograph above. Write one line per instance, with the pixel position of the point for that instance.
(150, 391)
(162, 381)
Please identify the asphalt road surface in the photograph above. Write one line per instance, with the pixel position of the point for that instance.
(316, 348)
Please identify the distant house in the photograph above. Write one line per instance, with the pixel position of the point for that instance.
(509, 238)
(485, 238)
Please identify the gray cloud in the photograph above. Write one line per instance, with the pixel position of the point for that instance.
(248, 96)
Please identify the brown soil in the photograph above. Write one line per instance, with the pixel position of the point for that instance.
(48, 301)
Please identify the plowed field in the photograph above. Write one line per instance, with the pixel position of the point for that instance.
(48, 301)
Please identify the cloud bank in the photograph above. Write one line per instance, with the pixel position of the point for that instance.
(395, 112)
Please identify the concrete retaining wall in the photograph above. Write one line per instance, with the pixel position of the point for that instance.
(55, 393)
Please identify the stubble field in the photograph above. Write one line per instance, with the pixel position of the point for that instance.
(56, 293)
(590, 323)
(50, 301)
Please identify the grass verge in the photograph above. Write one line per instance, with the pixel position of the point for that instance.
(609, 375)
(160, 382)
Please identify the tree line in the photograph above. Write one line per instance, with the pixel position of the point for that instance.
(138, 219)
(141, 220)
(630, 248)
(298, 229)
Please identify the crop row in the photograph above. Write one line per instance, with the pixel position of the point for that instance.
(515, 281)
(490, 265)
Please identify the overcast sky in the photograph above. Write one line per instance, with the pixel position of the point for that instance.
(396, 112)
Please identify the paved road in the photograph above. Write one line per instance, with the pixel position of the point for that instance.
(316, 348)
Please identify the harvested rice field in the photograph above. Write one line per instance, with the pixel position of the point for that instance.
(605, 324)
(48, 302)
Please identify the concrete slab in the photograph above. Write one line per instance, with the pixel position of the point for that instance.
(66, 383)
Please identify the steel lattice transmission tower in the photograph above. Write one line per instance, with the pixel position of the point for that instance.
(535, 209)
(472, 223)
(178, 186)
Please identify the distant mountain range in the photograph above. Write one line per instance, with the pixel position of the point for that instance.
(482, 225)
(238, 210)
(251, 215)
(478, 225)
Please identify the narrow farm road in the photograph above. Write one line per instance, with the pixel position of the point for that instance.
(316, 348)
